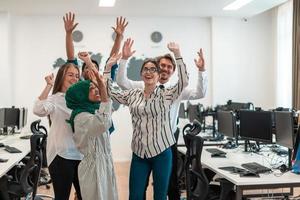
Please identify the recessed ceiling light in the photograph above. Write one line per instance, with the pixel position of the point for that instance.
(107, 3)
(237, 4)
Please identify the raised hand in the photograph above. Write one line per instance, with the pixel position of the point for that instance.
(84, 56)
(69, 19)
(112, 60)
(91, 76)
(98, 78)
(174, 48)
(200, 62)
(121, 24)
(50, 79)
(126, 50)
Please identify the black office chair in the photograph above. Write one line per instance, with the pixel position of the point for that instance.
(24, 181)
(36, 128)
(197, 183)
(45, 179)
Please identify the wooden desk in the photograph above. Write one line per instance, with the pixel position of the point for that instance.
(13, 158)
(236, 157)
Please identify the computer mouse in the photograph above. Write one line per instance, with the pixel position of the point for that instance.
(283, 168)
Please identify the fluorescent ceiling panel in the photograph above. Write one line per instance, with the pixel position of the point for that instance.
(107, 3)
(237, 4)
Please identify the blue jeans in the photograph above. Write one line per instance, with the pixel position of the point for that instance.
(160, 165)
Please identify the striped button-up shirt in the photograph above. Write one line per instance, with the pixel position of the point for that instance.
(152, 132)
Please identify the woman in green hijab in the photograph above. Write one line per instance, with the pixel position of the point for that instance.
(90, 122)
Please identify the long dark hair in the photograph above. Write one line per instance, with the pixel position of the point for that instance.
(60, 76)
(59, 79)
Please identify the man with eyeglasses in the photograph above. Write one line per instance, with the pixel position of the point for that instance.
(167, 69)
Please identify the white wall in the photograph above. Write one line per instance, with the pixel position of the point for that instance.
(39, 40)
(6, 70)
(243, 60)
(239, 57)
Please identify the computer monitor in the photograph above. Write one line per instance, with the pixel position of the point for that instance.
(2, 118)
(226, 123)
(25, 114)
(181, 111)
(284, 126)
(193, 112)
(256, 125)
(9, 117)
(236, 106)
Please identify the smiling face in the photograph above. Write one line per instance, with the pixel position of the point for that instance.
(94, 94)
(149, 73)
(166, 70)
(71, 76)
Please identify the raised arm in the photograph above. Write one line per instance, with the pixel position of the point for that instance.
(174, 92)
(200, 90)
(42, 107)
(121, 78)
(100, 83)
(121, 24)
(70, 25)
(49, 84)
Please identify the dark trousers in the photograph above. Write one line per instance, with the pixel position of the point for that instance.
(140, 168)
(4, 188)
(63, 173)
(173, 190)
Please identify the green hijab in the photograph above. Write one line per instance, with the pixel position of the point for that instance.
(77, 99)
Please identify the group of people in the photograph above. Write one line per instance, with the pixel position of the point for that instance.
(80, 108)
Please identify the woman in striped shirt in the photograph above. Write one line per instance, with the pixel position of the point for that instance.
(152, 135)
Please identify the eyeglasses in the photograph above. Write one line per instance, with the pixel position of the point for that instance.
(151, 70)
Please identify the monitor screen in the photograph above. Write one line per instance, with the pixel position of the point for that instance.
(25, 113)
(2, 117)
(11, 117)
(284, 127)
(181, 112)
(193, 112)
(256, 125)
(236, 106)
(226, 123)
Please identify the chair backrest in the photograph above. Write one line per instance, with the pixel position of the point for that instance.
(36, 128)
(29, 174)
(196, 180)
(37, 142)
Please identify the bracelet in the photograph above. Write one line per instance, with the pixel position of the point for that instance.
(106, 72)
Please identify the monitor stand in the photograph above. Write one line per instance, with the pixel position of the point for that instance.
(7, 131)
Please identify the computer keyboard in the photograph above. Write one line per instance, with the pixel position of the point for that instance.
(233, 169)
(12, 149)
(215, 151)
(256, 168)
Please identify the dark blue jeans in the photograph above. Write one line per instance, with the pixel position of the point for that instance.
(160, 165)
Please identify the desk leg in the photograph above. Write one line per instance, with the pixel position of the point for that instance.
(239, 193)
